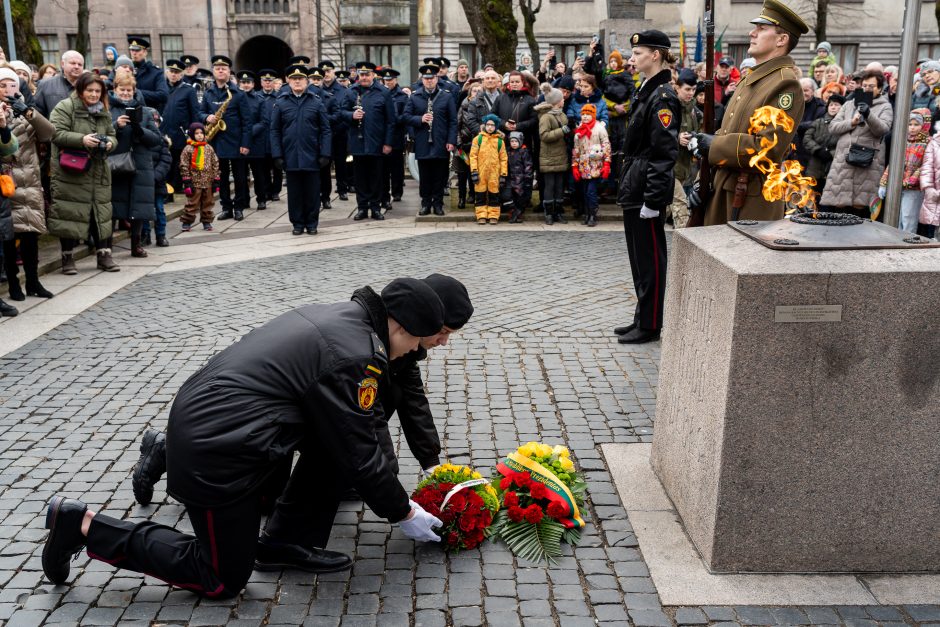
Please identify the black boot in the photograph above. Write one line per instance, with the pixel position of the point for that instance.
(592, 216)
(150, 467)
(16, 292)
(226, 214)
(7, 310)
(377, 214)
(162, 241)
(35, 288)
(64, 522)
(274, 555)
(425, 210)
(462, 203)
(361, 214)
(514, 217)
(325, 204)
(558, 213)
(548, 217)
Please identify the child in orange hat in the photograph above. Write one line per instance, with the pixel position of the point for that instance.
(590, 159)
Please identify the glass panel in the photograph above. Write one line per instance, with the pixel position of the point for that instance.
(266, 7)
(355, 53)
(276, 6)
(70, 40)
(50, 49)
(738, 52)
(928, 51)
(847, 56)
(286, 6)
(401, 61)
(171, 46)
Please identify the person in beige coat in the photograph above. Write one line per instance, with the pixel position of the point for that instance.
(851, 188)
(27, 204)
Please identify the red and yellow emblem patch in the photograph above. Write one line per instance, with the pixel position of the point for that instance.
(368, 390)
(665, 117)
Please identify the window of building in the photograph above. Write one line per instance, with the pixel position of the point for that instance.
(171, 46)
(285, 6)
(928, 51)
(568, 52)
(71, 41)
(738, 52)
(50, 49)
(471, 53)
(397, 56)
(846, 56)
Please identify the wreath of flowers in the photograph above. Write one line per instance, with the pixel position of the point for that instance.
(541, 492)
(469, 511)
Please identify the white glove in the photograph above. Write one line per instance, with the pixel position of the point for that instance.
(646, 213)
(419, 526)
(427, 472)
(882, 192)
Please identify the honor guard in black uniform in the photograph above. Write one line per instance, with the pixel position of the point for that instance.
(181, 110)
(300, 142)
(259, 135)
(431, 113)
(273, 177)
(333, 89)
(224, 101)
(647, 180)
(151, 84)
(190, 69)
(393, 184)
(307, 381)
(370, 113)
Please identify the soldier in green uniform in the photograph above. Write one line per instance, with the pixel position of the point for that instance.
(772, 82)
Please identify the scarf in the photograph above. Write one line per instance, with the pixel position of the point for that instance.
(584, 129)
(198, 159)
(98, 107)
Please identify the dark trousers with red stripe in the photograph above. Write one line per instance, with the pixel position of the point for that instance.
(215, 562)
(646, 245)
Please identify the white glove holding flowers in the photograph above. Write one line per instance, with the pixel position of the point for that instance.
(420, 525)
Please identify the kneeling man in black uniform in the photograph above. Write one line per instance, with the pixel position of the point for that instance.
(307, 381)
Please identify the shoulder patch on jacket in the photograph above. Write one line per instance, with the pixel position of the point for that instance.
(368, 390)
(785, 101)
(665, 117)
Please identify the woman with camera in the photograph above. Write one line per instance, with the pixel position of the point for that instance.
(131, 161)
(28, 208)
(81, 177)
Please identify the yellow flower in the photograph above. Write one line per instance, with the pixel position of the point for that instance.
(560, 451)
(528, 450)
(476, 475)
(566, 463)
(543, 450)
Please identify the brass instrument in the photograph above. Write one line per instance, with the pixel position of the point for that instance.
(219, 124)
(431, 123)
(358, 107)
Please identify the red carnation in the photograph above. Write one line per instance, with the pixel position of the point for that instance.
(522, 479)
(458, 502)
(556, 510)
(538, 490)
(511, 499)
(467, 524)
(505, 483)
(453, 538)
(516, 514)
(533, 514)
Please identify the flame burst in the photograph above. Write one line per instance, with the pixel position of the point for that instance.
(784, 181)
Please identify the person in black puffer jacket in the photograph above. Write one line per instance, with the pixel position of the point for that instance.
(162, 162)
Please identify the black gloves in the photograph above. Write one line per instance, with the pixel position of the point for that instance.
(324, 162)
(475, 177)
(695, 199)
(278, 163)
(704, 143)
(565, 129)
(502, 181)
(19, 107)
(863, 109)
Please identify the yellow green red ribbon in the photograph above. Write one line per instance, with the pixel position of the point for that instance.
(558, 492)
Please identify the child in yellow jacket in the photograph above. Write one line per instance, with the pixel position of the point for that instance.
(489, 166)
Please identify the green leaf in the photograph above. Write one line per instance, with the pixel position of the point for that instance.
(534, 543)
(571, 536)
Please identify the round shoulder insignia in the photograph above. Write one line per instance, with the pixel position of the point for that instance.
(785, 101)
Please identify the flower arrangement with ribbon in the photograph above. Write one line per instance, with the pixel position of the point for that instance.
(463, 500)
(542, 493)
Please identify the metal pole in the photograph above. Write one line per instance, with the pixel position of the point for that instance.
(413, 38)
(11, 44)
(892, 205)
(319, 34)
(211, 29)
(440, 25)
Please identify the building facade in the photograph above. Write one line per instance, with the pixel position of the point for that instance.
(265, 33)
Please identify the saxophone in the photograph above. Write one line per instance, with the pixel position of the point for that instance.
(219, 125)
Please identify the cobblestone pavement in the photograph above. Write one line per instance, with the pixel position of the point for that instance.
(536, 362)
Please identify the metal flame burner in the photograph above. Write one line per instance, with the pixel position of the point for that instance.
(826, 218)
(828, 231)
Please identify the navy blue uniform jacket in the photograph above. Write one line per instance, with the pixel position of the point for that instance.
(377, 126)
(237, 120)
(300, 131)
(444, 128)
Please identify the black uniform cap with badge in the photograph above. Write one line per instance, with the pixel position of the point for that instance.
(428, 70)
(388, 73)
(246, 76)
(299, 59)
(315, 73)
(295, 70)
(365, 67)
(137, 43)
(326, 64)
(189, 60)
(343, 74)
(221, 59)
(651, 39)
(175, 64)
(267, 74)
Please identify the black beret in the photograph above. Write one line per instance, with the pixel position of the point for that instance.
(837, 98)
(454, 296)
(651, 39)
(687, 77)
(415, 306)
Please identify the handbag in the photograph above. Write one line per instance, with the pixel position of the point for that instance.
(74, 161)
(122, 163)
(860, 156)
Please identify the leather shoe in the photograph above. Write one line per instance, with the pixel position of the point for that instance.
(624, 330)
(273, 555)
(8, 310)
(262, 206)
(377, 215)
(396, 198)
(639, 336)
(362, 214)
(343, 196)
(225, 215)
(239, 215)
(461, 204)
(424, 211)
(64, 522)
(150, 467)
(297, 231)
(438, 211)
(325, 205)
(162, 241)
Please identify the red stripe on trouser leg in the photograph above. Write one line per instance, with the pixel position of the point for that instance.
(656, 273)
(212, 545)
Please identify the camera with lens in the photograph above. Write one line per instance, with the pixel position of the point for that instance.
(101, 150)
(18, 105)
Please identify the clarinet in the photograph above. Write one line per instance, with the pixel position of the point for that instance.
(359, 108)
(431, 123)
